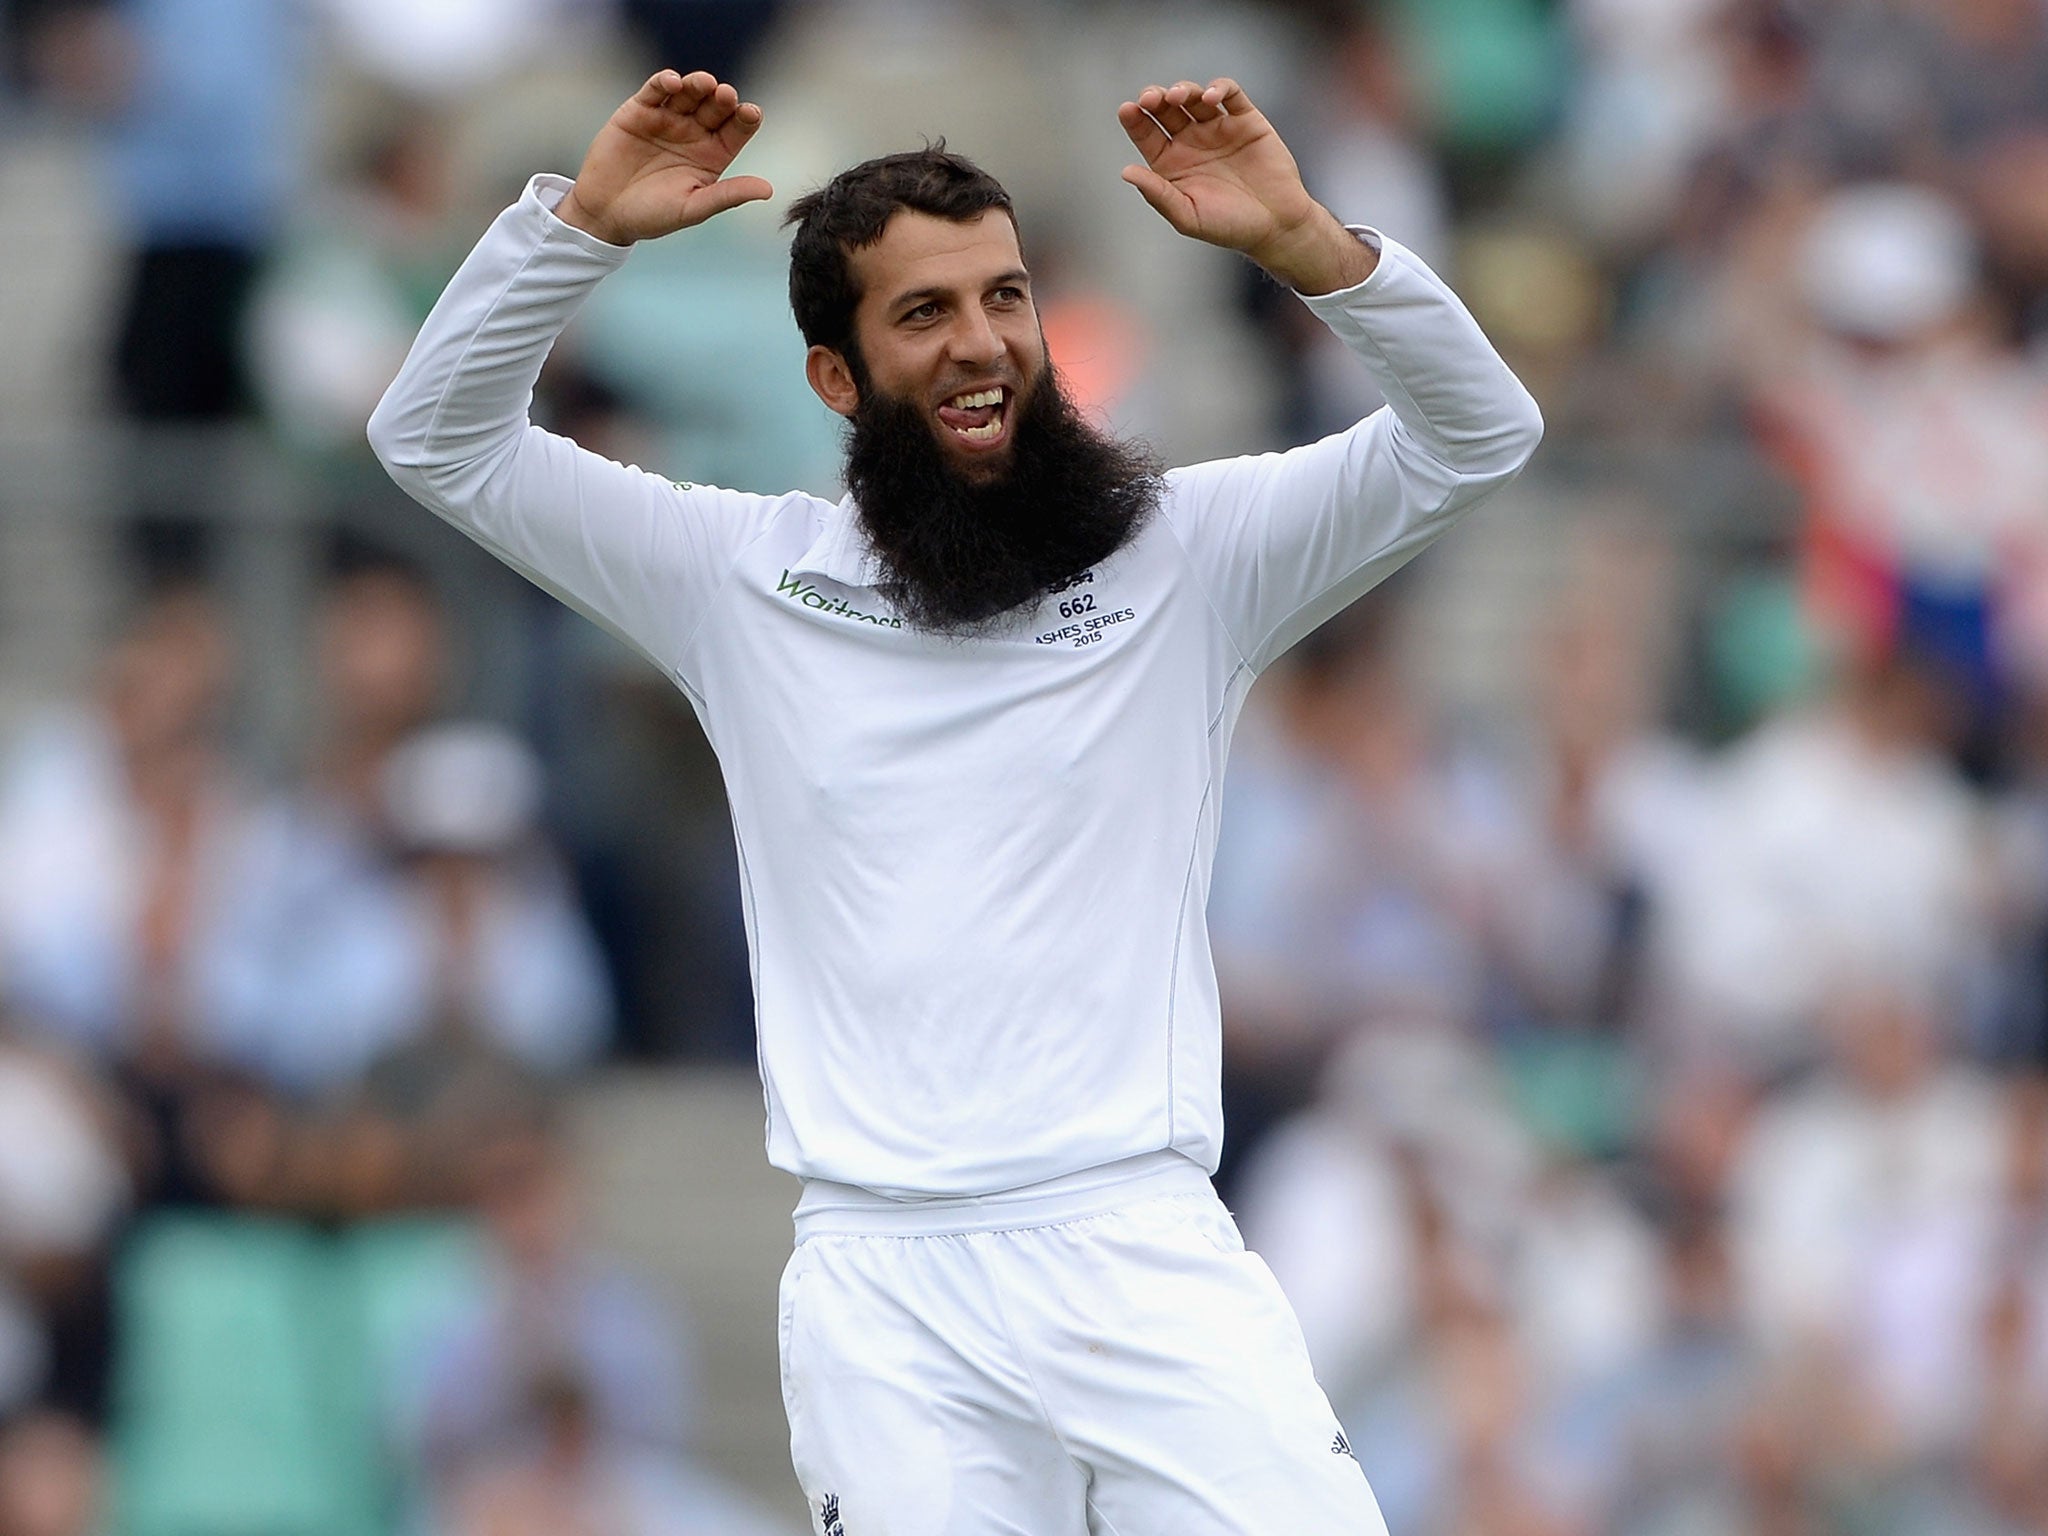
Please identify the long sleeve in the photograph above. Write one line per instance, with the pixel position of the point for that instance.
(1282, 541)
(641, 555)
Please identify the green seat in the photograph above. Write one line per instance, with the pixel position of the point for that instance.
(257, 1371)
(1495, 69)
(225, 1418)
(414, 1279)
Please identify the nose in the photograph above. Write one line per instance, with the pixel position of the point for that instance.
(974, 341)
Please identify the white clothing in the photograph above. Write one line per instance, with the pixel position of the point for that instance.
(77, 856)
(340, 957)
(973, 871)
(1824, 859)
(1124, 1371)
(1873, 1225)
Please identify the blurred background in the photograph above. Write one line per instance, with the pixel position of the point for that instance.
(1633, 920)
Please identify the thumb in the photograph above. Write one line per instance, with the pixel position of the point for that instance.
(730, 192)
(1169, 201)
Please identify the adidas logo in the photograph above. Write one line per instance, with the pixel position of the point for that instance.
(828, 1516)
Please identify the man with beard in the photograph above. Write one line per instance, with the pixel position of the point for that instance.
(973, 719)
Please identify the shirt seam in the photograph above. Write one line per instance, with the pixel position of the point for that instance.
(1180, 928)
(1458, 476)
(754, 976)
(476, 335)
(1366, 338)
(1194, 570)
(1181, 916)
(689, 641)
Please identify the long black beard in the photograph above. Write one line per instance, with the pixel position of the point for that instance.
(962, 554)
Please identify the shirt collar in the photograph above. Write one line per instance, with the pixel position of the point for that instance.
(841, 552)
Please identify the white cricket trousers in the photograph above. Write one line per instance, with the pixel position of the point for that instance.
(1095, 1357)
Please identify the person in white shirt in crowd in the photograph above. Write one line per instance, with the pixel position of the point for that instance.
(381, 663)
(1835, 834)
(973, 719)
(471, 941)
(1349, 885)
(1865, 1212)
(124, 846)
(64, 1190)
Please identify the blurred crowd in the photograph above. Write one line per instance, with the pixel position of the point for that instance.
(280, 1119)
(1634, 949)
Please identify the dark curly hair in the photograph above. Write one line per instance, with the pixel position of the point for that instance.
(851, 211)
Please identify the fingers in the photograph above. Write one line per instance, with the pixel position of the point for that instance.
(739, 127)
(698, 96)
(1193, 100)
(1143, 130)
(729, 192)
(1168, 112)
(716, 105)
(1169, 201)
(1173, 109)
(1230, 96)
(662, 84)
(691, 89)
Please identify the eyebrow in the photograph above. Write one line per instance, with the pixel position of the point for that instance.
(1006, 279)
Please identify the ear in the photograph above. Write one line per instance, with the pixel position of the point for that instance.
(832, 380)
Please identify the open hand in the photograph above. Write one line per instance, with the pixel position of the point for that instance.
(659, 165)
(1216, 170)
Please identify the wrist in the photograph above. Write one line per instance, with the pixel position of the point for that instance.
(571, 211)
(1317, 255)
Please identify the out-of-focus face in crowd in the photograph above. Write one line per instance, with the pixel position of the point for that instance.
(382, 657)
(165, 682)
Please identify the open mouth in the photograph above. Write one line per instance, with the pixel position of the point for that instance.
(976, 416)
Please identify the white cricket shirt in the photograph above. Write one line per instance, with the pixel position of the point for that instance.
(973, 871)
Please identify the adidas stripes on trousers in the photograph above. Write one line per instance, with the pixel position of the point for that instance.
(1056, 1368)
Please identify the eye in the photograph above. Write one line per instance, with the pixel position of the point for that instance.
(1008, 295)
(928, 310)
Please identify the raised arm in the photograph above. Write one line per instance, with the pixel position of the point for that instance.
(1283, 541)
(629, 549)
(1216, 170)
(659, 164)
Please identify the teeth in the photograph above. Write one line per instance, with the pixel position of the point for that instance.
(978, 398)
(982, 434)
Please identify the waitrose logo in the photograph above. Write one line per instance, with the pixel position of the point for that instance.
(797, 590)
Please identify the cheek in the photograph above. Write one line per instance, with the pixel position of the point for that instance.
(905, 368)
(1029, 350)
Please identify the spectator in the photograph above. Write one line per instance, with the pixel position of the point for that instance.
(207, 148)
(1864, 1213)
(470, 945)
(564, 1402)
(124, 840)
(381, 658)
(1833, 836)
(50, 1477)
(1349, 888)
(1913, 432)
(64, 1187)
(1367, 162)
(1651, 1446)
(355, 273)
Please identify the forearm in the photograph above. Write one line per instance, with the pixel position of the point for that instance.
(633, 551)
(1444, 381)
(461, 399)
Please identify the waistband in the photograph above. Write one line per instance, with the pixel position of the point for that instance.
(826, 1208)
